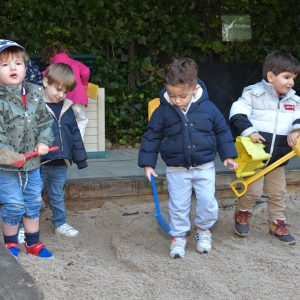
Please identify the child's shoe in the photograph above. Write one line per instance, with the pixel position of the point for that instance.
(39, 250)
(178, 246)
(67, 230)
(278, 229)
(241, 222)
(21, 235)
(203, 238)
(13, 248)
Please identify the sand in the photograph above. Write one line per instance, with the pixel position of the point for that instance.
(122, 254)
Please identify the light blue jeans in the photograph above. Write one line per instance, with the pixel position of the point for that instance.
(180, 186)
(54, 180)
(20, 194)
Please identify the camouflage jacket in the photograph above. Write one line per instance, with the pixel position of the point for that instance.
(22, 128)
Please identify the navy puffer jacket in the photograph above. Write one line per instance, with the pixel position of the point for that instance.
(186, 140)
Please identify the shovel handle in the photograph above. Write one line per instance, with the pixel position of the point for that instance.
(21, 163)
(234, 185)
(157, 206)
(35, 153)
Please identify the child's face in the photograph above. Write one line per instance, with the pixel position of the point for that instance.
(12, 69)
(181, 94)
(282, 82)
(53, 93)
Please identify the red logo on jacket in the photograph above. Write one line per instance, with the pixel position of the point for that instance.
(289, 106)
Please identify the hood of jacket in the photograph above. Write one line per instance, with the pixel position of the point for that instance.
(201, 95)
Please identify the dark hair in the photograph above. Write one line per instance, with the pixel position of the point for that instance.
(61, 75)
(51, 50)
(279, 62)
(182, 71)
(14, 50)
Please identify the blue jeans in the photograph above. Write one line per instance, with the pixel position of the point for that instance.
(20, 194)
(54, 180)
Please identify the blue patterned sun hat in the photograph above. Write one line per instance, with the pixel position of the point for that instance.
(7, 43)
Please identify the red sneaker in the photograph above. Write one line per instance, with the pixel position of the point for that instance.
(39, 250)
(13, 248)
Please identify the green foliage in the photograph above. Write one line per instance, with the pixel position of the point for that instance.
(134, 40)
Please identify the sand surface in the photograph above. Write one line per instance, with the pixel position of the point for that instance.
(122, 254)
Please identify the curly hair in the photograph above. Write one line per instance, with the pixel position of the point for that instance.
(182, 71)
(51, 50)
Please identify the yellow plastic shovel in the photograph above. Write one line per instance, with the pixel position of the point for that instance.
(246, 182)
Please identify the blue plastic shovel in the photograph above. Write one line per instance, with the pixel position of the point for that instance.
(164, 225)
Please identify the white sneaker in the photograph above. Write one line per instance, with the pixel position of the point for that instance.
(178, 246)
(66, 230)
(203, 238)
(21, 236)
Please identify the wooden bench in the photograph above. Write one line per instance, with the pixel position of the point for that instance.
(87, 59)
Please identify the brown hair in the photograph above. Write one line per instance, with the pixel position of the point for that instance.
(61, 75)
(50, 51)
(279, 62)
(182, 71)
(14, 51)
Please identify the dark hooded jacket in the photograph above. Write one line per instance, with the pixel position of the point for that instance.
(186, 140)
(67, 137)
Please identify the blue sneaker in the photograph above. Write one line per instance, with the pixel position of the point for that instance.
(13, 248)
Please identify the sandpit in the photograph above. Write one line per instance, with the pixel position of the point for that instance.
(122, 254)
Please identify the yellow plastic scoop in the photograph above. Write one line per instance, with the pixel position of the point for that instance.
(246, 182)
(251, 156)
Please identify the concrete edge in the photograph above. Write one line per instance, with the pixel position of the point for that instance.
(93, 192)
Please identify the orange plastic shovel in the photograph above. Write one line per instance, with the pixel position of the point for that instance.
(20, 163)
(246, 182)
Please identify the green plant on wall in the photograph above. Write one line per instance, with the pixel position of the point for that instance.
(134, 40)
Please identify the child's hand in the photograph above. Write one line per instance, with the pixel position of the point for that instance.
(292, 138)
(148, 172)
(230, 164)
(256, 138)
(42, 148)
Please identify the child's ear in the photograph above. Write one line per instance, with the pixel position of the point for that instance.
(45, 82)
(196, 89)
(270, 76)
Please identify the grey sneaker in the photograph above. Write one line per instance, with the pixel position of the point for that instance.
(203, 238)
(178, 246)
(66, 230)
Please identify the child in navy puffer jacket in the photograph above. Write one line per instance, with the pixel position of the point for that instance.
(188, 130)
